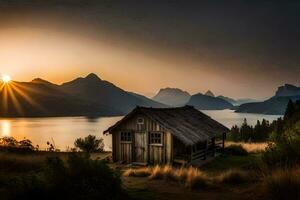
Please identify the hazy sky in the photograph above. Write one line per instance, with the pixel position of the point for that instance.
(235, 48)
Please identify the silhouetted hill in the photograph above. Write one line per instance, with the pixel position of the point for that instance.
(287, 90)
(275, 105)
(89, 96)
(204, 102)
(101, 92)
(172, 97)
(228, 99)
(272, 106)
(42, 81)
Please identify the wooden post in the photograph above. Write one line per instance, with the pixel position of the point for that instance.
(205, 151)
(191, 159)
(214, 146)
(223, 145)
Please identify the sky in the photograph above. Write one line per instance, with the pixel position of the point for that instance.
(233, 48)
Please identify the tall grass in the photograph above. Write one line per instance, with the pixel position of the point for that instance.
(190, 177)
(283, 184)
(250, 147)
(140, 172)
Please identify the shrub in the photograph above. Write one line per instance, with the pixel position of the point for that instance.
(89, 144)
(237, 150)
(283, 184)
(234, 177)
(10, 144)
(78, 178)
(284, 150)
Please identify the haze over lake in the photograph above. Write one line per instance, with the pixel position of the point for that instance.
(62, 131)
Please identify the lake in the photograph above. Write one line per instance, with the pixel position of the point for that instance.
(62, 131)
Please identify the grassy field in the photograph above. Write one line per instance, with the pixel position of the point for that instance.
(228, 176)
(17, 163)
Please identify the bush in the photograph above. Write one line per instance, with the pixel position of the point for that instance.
(10, 144)
(237, 150)
(284, 150)
(89, 144)
(78, 178)
(281, 185)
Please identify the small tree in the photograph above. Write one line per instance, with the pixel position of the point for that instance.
(8, 141)
(26, 144)
(246, 131)
(290, 110)
(234, 134)
(89, 144)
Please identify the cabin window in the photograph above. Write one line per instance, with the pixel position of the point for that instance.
(140, 120)
(126, 136)
(155, 138)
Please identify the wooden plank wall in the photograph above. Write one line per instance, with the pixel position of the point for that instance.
(154, 154)
(126, 152)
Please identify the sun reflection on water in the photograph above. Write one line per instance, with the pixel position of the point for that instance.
(5, 128)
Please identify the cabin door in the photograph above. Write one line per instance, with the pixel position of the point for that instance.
(140, 147)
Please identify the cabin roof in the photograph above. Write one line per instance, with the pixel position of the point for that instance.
(187, 124)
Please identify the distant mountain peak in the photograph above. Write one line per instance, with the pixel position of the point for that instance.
(93, 76)
(288, 90)
(174, 90)
(41, 81)
(172, 96)
(209, 93)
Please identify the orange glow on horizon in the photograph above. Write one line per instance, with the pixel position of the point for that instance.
(16, 93)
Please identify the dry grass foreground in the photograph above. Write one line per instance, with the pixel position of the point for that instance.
(275, 185)
(191, 177)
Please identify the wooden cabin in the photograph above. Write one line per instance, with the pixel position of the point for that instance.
(165, 136)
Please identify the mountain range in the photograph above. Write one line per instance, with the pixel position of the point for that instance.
(177, 97)
(89, 96)
(276, 105)
(208, 102)
(92, 96)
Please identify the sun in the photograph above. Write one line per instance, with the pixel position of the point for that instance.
(6, 78)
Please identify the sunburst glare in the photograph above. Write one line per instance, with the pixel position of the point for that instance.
(6, 78)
